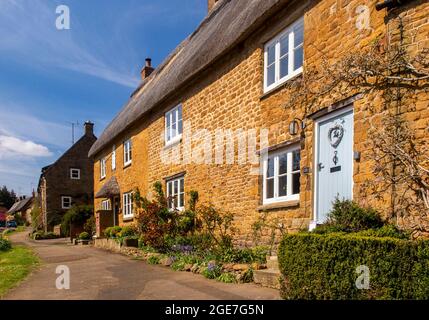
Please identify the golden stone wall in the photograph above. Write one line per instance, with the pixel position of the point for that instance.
(229, 95)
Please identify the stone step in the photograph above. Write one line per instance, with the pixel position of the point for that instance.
(267, 278)
(272, 263)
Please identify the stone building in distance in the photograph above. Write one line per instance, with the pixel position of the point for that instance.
(68, 181)
(214, 117)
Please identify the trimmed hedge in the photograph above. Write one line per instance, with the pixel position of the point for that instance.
(324, 267)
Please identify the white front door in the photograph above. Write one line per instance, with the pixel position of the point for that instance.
(334, 161)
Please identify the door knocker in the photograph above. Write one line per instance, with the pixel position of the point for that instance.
(335, 135)
(335, 158)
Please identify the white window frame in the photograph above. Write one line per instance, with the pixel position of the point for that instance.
(275, 155)
(127, 205)
(75, 170)
(288, 32)
(105, 205)
(128, 156)
(63, 198)
(171, 193)
(102, 168)
(113, 157)
(173, 136)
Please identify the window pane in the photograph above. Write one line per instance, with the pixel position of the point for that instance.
(270, 167)
(282, 186)
(173, 130)
(295, 183)
(271, 54)
(283, 163)
(284, 66)
(299, 35)
(270, 188)
(182, 185)
(168, 123)
(174, 117)
(298, 58)
(295, 160)
(182, 200)
(179, 113)
(284, 46)
(271, 75)
(180, 125)
(176, 187)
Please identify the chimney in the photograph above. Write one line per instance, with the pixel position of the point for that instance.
(212, 4)
(89, 128)
(147, 70)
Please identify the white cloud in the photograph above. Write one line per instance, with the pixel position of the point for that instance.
(12, 146)
(28, 33)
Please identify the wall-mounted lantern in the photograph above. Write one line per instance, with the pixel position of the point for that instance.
(295, 125)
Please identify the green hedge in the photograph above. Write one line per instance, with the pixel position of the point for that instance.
(317, 266)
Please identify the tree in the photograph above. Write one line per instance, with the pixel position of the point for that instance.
(7, 198)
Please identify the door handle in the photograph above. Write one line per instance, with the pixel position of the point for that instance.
(320, 166)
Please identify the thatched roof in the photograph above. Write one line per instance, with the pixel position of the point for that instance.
(109, 189)
(227, 25)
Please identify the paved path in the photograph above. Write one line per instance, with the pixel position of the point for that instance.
(97, 274)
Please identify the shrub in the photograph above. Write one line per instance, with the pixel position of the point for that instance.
(324, 267)
(112, 232)
(218, 225)
(226, 278)
(40, 235)
(246, 255)
(5, 244)
(247, 276)
(348, 216)
(212, 271)
(389, 231)
(77, 215)
(89, 225)
(128, 231)
(84, 236)
(153, 260)
(155, 219)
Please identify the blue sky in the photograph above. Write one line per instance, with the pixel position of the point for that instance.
(50, 78)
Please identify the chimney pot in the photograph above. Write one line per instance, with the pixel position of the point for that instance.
(89, 128)
(148, 69)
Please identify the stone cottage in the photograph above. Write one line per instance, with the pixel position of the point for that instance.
(22, 208)
(217, 116)
(68, 181)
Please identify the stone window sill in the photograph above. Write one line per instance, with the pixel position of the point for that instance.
(173, 142)
(279, 205)
(279, 87)
(127, 219)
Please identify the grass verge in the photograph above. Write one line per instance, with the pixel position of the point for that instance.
(15, 265)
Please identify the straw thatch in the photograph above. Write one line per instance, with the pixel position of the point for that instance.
(227, 25)
(109, 189)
